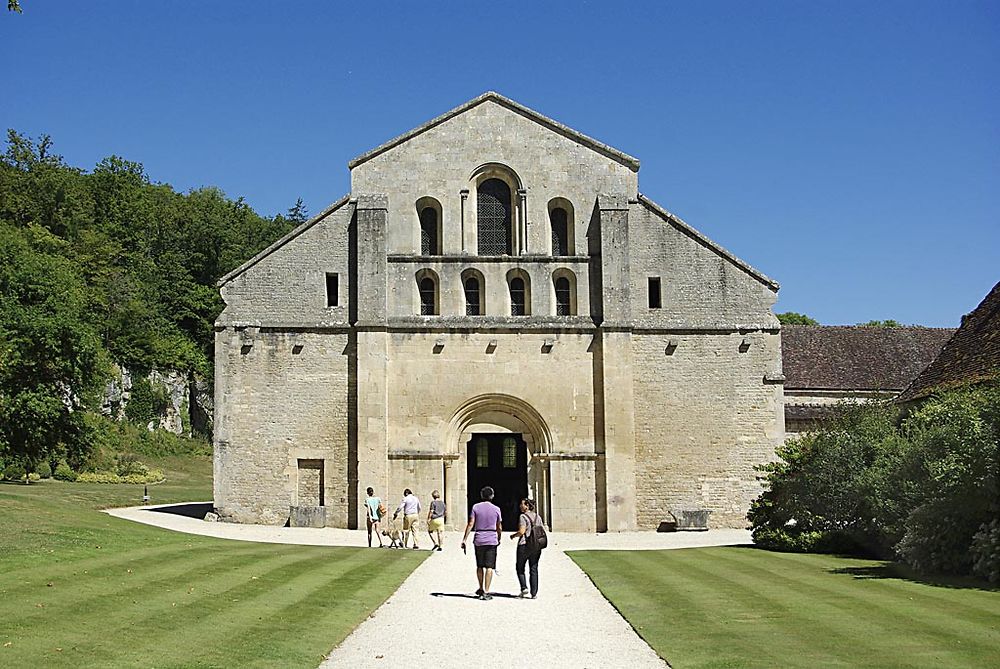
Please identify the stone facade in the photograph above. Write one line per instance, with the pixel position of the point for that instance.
(354, 353)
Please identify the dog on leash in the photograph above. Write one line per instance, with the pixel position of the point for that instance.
(394, 534)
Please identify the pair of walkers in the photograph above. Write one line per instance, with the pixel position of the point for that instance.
(486, 524)
(410, 508)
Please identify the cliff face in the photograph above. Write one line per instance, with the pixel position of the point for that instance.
(171, 400)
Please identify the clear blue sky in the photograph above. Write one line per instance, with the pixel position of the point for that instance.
(850, 150)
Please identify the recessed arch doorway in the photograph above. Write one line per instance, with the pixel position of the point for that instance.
(500, 441)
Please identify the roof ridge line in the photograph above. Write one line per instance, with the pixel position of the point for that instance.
(722, 251)
(562, 129)
(289, 236)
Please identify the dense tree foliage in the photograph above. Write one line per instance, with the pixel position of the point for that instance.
(104, 266)
(792, 318)
(922, 487)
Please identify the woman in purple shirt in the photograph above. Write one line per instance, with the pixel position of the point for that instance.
(486, 521)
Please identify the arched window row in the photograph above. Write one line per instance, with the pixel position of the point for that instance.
(500, 224)
(518, 293)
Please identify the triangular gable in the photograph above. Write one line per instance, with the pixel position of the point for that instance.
(284, 240)
(530, 114)
(706, 242)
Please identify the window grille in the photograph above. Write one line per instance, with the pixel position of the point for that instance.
(560, 232)
(427, 296)
(482, 454)
(517, 297)
(472, 297)
(494, 218)
(563, 298)
(509, 453)
(429, 232)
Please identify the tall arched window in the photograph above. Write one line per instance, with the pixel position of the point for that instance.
(517, 297)
(472, 297)
(429, 232)
(428, 296)
(493, 224)
(560, 232)
(564, 299)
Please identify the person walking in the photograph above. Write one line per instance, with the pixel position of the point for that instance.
(435, 519)
(525, 556)
(375, 511)
(410, 508)
(486, 520)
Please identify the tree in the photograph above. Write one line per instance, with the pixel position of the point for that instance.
(50, 356)
(14, 6)
(298, 214)
(792, 318)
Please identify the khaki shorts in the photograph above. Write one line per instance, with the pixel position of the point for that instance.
(436, 524)
(410, 522)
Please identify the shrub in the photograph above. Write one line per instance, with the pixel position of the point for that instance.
(64, 473)
(146, 401)
(13, 472)
(153, 476)
(34, 477)
(129, 465)
(44, 469)
(985, 551)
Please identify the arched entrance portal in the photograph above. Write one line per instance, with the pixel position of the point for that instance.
(500, 461)
(500, 441)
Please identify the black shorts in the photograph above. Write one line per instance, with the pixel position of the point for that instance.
(486, 557)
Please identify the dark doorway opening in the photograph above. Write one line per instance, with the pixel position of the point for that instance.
(501, 462)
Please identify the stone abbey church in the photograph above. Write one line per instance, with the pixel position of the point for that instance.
(496, 303)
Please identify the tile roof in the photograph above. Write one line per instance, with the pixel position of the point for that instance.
(972, 355)
(837, 357)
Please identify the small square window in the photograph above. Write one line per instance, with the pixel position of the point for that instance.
(332, 290)
(654, 293)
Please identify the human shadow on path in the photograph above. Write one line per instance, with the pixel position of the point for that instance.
(463, 595)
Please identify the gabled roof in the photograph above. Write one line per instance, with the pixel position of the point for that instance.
(284, 240)
(705, 241)
(972, 355)
(837, 357)
(530, 114)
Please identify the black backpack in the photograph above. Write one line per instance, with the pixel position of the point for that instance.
(535, 538)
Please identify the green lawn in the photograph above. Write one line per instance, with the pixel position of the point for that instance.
(80, 588)
(742, 607)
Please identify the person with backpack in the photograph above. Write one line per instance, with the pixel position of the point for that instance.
(374, 509)
(531, 539)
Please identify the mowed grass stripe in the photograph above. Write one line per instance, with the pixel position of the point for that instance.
(114, 586)
(884, 605)
(305, 629)
(97, 629)
(838, 614)
(728, 613)
(737, 607)
(290, 600)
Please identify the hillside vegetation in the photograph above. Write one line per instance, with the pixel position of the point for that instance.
(97, 268)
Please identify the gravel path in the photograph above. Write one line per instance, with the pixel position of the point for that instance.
(434, 621)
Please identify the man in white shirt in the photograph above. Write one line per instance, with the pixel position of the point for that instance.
(410, 508)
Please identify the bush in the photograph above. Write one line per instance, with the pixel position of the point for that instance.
(64, 473)
(34, 477)
(13, 472)
(44, 469)
(153, 476)
(985, 552)
(129, 464)
(146, 402)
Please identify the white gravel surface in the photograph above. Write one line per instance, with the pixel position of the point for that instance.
(434, 620)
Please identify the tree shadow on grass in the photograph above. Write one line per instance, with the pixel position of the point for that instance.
(900, 572)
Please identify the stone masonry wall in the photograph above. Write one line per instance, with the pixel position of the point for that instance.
(280, 400)
(704, 417)
(439, 163)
